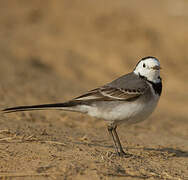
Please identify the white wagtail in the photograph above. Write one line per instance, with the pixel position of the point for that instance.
(128, 99)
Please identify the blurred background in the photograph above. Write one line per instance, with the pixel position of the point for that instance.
(88, 44)
(51, 51)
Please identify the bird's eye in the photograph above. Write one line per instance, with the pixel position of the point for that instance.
(144, 65)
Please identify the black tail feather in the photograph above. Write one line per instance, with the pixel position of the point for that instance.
(40, 107)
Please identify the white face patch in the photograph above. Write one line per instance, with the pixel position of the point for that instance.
(149, 68)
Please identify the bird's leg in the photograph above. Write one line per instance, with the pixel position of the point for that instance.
(110, 130)
(117, 143)
(121, 151)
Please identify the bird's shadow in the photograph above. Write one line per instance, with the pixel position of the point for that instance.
(173, 151)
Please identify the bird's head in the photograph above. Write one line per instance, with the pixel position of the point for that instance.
(149, 68)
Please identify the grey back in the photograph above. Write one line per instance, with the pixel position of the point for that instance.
(129, 81)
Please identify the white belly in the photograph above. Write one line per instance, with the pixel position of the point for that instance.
(122, 111)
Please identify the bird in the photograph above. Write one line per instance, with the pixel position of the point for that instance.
(128, 99)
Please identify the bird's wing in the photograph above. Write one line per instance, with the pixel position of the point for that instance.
(108, 93)
(125, 88)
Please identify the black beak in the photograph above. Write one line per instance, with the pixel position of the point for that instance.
(156, 68)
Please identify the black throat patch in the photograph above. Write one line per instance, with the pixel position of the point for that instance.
(156, 86)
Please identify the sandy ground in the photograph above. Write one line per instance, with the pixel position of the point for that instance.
(51, 51)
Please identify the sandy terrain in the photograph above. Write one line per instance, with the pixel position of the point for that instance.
(51, 51)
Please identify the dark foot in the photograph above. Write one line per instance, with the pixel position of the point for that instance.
(123, 154)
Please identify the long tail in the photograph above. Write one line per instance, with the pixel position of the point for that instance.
(69, 106)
